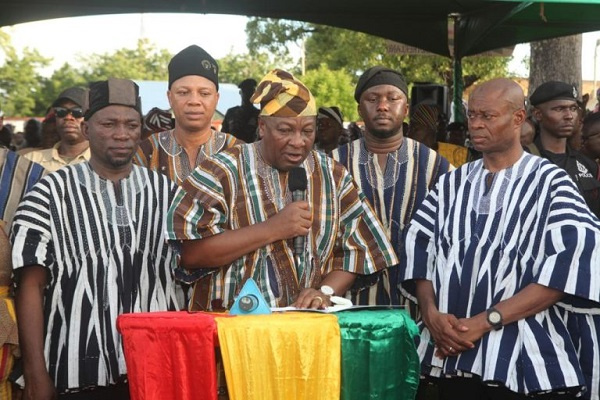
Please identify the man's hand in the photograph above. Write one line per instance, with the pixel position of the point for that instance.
(39, 386)
(476, 328)
(312, 298)
(446, 331)
(295, 219)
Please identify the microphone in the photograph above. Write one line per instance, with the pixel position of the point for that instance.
(297, 183)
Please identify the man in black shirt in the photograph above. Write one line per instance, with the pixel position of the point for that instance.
(556, 110)
(242, 121)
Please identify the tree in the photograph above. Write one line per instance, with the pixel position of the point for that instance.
(19, 78)
(273, 35)
(63, 78)
(556, 59)
(145, 62)
(354, 52)
(235, 68)
(332, 88)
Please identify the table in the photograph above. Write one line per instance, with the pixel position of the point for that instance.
(349, 355)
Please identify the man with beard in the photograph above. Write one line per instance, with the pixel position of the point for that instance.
(556, 112)
(394, 171)
(88, 245)
(73, 147)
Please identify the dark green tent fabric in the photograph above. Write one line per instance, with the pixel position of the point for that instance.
(481, 25)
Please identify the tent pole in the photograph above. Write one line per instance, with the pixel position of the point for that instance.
(457, 79)
(457, 90)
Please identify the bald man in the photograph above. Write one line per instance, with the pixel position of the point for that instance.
(497, 252)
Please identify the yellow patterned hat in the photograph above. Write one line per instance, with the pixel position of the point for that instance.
(281, 95)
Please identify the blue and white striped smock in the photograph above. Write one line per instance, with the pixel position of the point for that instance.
(479, 247)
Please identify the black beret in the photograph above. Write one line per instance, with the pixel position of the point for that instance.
(193, 60)
(553, 90)
(113, 91)
(77, 95)
(380, 75)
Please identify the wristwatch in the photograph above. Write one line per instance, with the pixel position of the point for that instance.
(494, 318)
(327, 290)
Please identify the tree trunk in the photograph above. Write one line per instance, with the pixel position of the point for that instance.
(556, 59)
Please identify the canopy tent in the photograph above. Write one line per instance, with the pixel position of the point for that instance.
(475, 25)
(481, 25)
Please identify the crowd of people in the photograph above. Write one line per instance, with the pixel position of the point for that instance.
(487, 232)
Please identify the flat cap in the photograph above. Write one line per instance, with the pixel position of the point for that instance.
(380, 75)
(553, 90)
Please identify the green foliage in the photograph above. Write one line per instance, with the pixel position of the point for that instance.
(19, 81)
(234, 68)
(64, 77)
(354, 52)
(145, 62)
(272, 35)
(25, 92)
(332, 88)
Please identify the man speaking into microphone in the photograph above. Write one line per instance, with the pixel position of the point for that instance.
(276, 211)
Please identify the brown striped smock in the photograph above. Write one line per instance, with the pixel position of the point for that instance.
(226, 192)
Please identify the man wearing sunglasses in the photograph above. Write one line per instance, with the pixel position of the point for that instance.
(73, 147)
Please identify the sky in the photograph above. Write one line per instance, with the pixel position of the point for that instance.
(63, 39)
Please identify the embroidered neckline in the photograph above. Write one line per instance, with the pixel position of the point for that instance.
(272, 178)
(392, 169)
(182, 168)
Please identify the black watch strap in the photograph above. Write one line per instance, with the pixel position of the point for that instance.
(494, 318)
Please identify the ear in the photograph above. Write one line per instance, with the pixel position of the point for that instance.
(537, 114)
(520, 116)
(169, 94)
(261, 127)
(358, 109)
(84, 130)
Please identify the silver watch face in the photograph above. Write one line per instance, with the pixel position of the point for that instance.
(327, 290)
(494, 317)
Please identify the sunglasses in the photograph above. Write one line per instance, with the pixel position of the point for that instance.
(62, 112)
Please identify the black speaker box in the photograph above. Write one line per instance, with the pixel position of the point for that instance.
(432, 94)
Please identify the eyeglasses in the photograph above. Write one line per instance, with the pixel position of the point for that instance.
(62, 112)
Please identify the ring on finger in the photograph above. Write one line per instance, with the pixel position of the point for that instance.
(318, 298)
(451, 349)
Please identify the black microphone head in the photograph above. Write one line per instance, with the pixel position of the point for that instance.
(297, 179)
